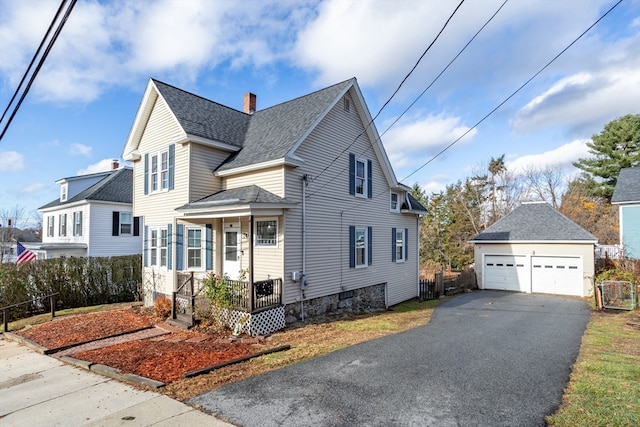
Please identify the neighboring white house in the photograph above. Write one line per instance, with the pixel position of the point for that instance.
(10, 236)
(93, 216)
(535, 249)
(298, 201)
(627, 196)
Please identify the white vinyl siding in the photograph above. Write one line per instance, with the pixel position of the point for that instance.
(331, 210)
(100, 233)
(203, 161)
(271, 179)
(158, 209)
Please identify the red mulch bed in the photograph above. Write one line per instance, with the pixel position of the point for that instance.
(85, 327)
(165, 360)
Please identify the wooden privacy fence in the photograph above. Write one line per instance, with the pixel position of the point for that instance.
(432, 289)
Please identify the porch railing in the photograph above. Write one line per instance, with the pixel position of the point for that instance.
(266, 294)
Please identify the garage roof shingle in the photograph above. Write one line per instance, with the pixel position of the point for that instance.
(534, 222)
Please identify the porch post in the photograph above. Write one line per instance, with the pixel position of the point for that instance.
(251, 231)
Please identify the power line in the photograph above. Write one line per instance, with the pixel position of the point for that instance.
(390, 98)
(35, 55)
(515, 92)
(355, 203)
(40, 63)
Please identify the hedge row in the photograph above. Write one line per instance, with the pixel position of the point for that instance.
(80, 282)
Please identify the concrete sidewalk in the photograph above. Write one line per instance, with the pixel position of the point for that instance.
(38, 390)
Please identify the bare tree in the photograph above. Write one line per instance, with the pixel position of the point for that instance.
(10, 219)
(546, 184)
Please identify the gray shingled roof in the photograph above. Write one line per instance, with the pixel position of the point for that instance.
(628, 186)
(237, 196)
(413, 204)
(265, 135)
(534, 222)
(202, 117)
(116, 187)
(274, 131)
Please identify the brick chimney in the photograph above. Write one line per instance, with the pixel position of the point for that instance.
(115, 164)
(249, 103)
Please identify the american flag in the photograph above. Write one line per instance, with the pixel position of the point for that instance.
(24, 254)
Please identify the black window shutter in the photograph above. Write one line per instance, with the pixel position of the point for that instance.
(369, 180)
(352, 174)
(370, 245)
(136, 225)
(115, 224)
(146, 173)
(406, 244)
(352, 246)
(145, 246)
(172, 161)
(393, 245)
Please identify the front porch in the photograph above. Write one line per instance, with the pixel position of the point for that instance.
(253, 308)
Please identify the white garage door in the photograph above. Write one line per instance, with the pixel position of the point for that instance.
(506, 272)
(556, 275)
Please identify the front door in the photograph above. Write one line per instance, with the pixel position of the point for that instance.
(231, 255)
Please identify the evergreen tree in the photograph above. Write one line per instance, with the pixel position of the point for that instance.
(616, 147)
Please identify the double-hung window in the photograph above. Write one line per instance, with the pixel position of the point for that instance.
(159, 176)
(163, 247)
(194, 248)
(50, 226)
(394, 203)
(158, 246)
(62, 228)
(77, 223)
(399, 244)
(267, 233)
(63, 192)
(159, 170)
(360, 179)
(360, 240)
(361, 247)
(125, 223)
(153, 247)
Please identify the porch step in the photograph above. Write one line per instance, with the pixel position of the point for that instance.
(180, 323)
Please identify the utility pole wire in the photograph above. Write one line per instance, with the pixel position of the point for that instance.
(386, 192)
(388, 100)
(515, 92)
(26, 73)
(39, 66)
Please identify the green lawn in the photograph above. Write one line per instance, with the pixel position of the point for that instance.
(604, 389)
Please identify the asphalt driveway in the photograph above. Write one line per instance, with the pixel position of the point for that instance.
(486, 358)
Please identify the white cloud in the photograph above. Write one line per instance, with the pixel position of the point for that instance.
(102, 166)
(561, 157)
(415, 140)
(34, 188)
(11, 161)
(581, 100)
(80, 150)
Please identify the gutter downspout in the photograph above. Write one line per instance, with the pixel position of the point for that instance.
(251, 231)
(305, 182)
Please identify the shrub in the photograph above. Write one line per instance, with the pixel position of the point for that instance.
(617, 274)
(162, 307)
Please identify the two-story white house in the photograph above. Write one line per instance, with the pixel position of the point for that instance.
(298, 202)
(93, 216)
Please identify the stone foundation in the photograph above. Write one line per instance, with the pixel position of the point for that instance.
(356, 301)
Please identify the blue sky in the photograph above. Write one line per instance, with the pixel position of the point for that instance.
(78, 114)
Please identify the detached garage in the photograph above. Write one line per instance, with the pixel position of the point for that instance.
(535, 249)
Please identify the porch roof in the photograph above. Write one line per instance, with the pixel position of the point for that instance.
(251, 196)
